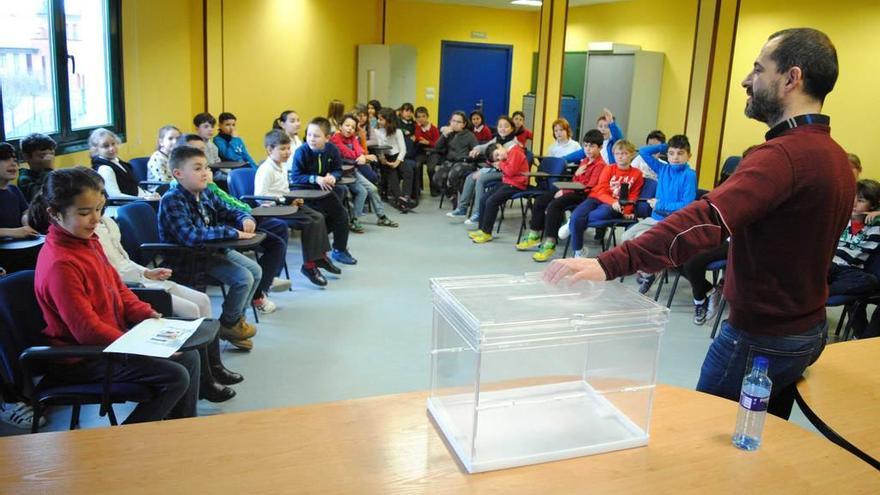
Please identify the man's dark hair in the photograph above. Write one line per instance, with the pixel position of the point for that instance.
(203, 117)
(36, 142)
(181, 154)
(594, 136)
(681, 142)
(812, 51)
(656, 134)
(275, 138)
(226, 116)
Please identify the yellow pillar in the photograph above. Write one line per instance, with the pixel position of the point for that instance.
(213, 31)
(551, 50)
(710, 76)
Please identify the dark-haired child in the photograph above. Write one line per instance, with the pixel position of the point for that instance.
(38, 151)
(318, 165)
(84, 301)
(523, 134)
(205, 124)
(230, 147)
(513, 164)
(448, 165)
(479, 127)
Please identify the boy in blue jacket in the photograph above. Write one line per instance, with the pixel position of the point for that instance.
(611, 134)
(230, 147)
(318, 165)
(676, 188)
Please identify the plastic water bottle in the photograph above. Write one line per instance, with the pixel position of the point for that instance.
(753, 401)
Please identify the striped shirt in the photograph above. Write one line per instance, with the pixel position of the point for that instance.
(854, 247)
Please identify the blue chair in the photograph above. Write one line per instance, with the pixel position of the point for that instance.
(25, 354)
(139, 168)
(555, 169)
(729, 167)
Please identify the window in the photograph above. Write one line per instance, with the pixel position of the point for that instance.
(60, 69)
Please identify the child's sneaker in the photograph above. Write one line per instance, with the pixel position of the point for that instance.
(265, 305)
(472, 223)
(564, 232)
(279, 285)
(714, 302)
(482, 237)
(355, 226)
(457, 213)
(545, 252)
(581, 253)
(646, 283)
(700, 312)
(19, 415)
(475, 233)
(386, 222)
(343, 257)
(529, 242)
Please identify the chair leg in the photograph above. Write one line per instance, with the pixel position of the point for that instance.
(672, 290)
(287, 275)
(721, 308)
(524, 206)
(501, 218)
(38, 411)
(567, 244)
(111, 415)
(74, 416)
(254, 309)
(663, 278)
(841, 321)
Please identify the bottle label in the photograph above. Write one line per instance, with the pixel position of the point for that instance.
(753, 403)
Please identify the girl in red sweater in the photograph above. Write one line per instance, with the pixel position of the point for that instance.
(84, 302)
(614, 195)
(481, 130)
(513, 165)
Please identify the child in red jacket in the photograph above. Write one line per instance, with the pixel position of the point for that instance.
(613, 197)
(84, 302)
(513, 165)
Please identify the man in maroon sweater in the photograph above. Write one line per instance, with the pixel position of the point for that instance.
(783, 209)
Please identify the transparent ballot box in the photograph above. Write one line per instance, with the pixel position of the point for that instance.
(523, 372)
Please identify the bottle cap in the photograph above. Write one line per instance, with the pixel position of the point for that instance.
(760, 362)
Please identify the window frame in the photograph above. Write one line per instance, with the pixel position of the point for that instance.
(68, 139)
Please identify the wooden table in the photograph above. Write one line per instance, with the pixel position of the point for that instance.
(388, 445)
(306, 194)
(840, 395)
(274, 211)
(574, 186)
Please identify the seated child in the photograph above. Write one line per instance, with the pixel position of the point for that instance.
(512, 164)
(611, 134)
(479, 127)
(655, 137)
(119, 179)
(335, 111)
(395, 167)
(185, 303)
(707, 297)
(564, 144)
(271, 180)
(548, 211)
(604, 201)
(523, 134)
(349, 146)
(13, 214)
(191, 215)
(38, 150)
(290, 123)
(84, 302)
(853, 159)
(231, 147)
(205, 123)
(451, 154)
(425, 136)
(318, 165)
(676, 188)
(157, 167)
(407, 124)
(475, 184)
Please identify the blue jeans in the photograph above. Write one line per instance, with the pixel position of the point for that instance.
(240, 275)
(274, 250)
(475, 188)
(371, 192)
(590, 211)
(729, 359)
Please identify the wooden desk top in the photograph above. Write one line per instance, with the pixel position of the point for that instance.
(843, 389)
(274, 211)
(306, 194)
(388, 445)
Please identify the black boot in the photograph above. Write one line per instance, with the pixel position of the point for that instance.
(218, 371)
(209, 389)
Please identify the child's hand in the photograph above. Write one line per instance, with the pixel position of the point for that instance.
(871, 216)
(653, 201)
(249, 226)
(371, 158)
(616, 206)
(158, 274)
(473, 153)
(22, 232)
(245, 235)
(330, 179)
(323, 184)
(155, 314)
(608, 115)
(446, 130)
(298, 202)
(558, 194)
(424, 141)
(394, 164)
(361, 160)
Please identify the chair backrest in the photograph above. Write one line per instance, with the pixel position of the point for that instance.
(21, 321)
(730, 165)
(553, 166)
(241, 182)
(138, 224)
(139, 167)
(649, 190)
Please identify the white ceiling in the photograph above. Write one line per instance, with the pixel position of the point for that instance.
(505, 4)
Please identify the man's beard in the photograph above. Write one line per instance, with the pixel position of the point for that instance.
(765, 106)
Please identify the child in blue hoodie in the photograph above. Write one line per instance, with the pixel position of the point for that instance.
(231, 148)
(676, 188)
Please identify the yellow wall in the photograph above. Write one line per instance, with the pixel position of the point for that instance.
(852, 26)
(162, 72)
(425, 25)
(667, 28)
(291, 54)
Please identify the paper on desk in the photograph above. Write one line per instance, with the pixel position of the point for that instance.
(156, 337)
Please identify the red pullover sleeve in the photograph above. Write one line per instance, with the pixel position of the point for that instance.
(514, 167)
(67, 290)
(602, 189)
(346, 152)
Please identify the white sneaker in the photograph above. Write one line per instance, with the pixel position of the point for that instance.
(714, 303)
(456, 214)
(265, 305)
(563, 232)
(19, 415)
(279, 285)
(471, 224)
(581, 253)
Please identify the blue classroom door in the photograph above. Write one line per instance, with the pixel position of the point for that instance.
(474, 76)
